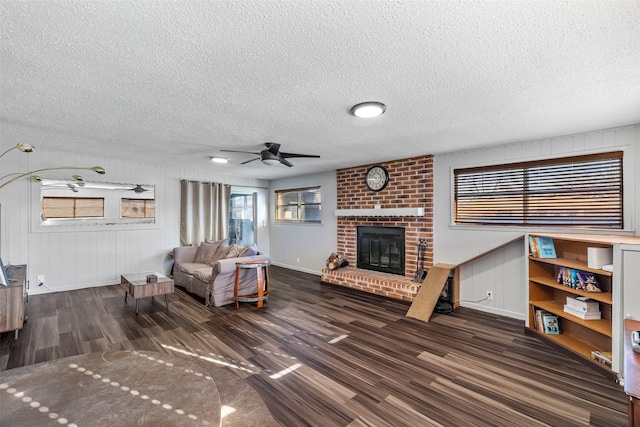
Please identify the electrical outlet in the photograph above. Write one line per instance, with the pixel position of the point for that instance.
(40, 279)
(298, 260)
(490, 295)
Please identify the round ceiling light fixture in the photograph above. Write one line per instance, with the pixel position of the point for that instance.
(268, 158)
(219, 160)
(368, 110)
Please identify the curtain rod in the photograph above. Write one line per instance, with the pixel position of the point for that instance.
(230, 185)
(249, 186)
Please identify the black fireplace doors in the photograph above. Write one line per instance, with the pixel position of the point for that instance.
(381, 249)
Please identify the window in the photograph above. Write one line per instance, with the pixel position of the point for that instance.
(584, 191)
(137, 208)
(72, 207)
(299, 205)
(242, 219)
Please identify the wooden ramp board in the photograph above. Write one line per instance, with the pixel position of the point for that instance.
(428, 294)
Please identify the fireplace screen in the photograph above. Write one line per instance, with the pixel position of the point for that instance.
(381, 249)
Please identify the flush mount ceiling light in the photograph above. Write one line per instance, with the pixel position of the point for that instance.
(368, 109)
(219, 160)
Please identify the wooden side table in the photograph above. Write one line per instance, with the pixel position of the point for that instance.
(632, 373)
(262, 282)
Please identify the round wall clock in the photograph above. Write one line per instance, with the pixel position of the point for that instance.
(377, 178)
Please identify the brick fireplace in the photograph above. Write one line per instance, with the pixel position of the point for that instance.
(410, 186)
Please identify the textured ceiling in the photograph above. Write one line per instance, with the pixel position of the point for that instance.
(174, 82)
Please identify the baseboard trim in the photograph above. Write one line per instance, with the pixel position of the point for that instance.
(493, 310)
(297, 268)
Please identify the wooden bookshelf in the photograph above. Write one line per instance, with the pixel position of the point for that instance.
(577, 336)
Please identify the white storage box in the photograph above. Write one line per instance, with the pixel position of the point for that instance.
(599, 257)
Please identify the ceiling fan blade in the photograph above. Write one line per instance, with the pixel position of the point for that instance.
(273, 147)
(249, 161)
(236, 151)
(286, 162)
(286, 155)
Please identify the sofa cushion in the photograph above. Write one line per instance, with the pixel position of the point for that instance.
(221, 253)
(250, 250)
(203, 274)
(206, 252)
(192, 267)
(234, 251)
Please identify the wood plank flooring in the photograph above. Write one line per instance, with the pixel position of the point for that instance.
(327, 356)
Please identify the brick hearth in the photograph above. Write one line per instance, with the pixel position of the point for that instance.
(410, 186)
(389, 285)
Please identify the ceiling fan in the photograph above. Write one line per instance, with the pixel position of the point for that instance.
(272, 155)
(138, 189)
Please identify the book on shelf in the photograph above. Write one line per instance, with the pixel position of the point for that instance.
(546, 248)
(578, 279)
(584, 304)
(568, 277)
(588, 282)
(537, 318)
(584, 315)
(532, 247)
(604, 357)
(551, 324)
(539, 314)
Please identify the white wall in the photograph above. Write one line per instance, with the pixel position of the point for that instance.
(85, 256)
(92, 257)
(305, 247)
(502, 271)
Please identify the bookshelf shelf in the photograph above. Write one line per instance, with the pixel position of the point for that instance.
(578, 265)
(577, 335)
(570, 342)
(605, 297)
(602, 326)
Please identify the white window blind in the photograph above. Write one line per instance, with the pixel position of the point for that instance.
(584, 191)
(137, 208)
(72, 207)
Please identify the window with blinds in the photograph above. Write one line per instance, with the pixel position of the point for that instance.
(299, 205)
(137, 208)
(584, 191)
(72, 207)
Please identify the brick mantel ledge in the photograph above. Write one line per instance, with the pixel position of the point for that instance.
(389, 285)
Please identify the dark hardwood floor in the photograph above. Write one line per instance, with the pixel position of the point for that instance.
(327, 356)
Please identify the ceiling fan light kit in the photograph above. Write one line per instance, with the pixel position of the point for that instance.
(270, 161)
(367, 110)
(139, 189)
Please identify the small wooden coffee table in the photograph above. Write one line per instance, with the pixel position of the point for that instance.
(136, 284)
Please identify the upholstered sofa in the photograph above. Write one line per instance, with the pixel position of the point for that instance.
(209, 270)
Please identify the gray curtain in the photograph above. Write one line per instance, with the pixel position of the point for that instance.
(204, 211)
